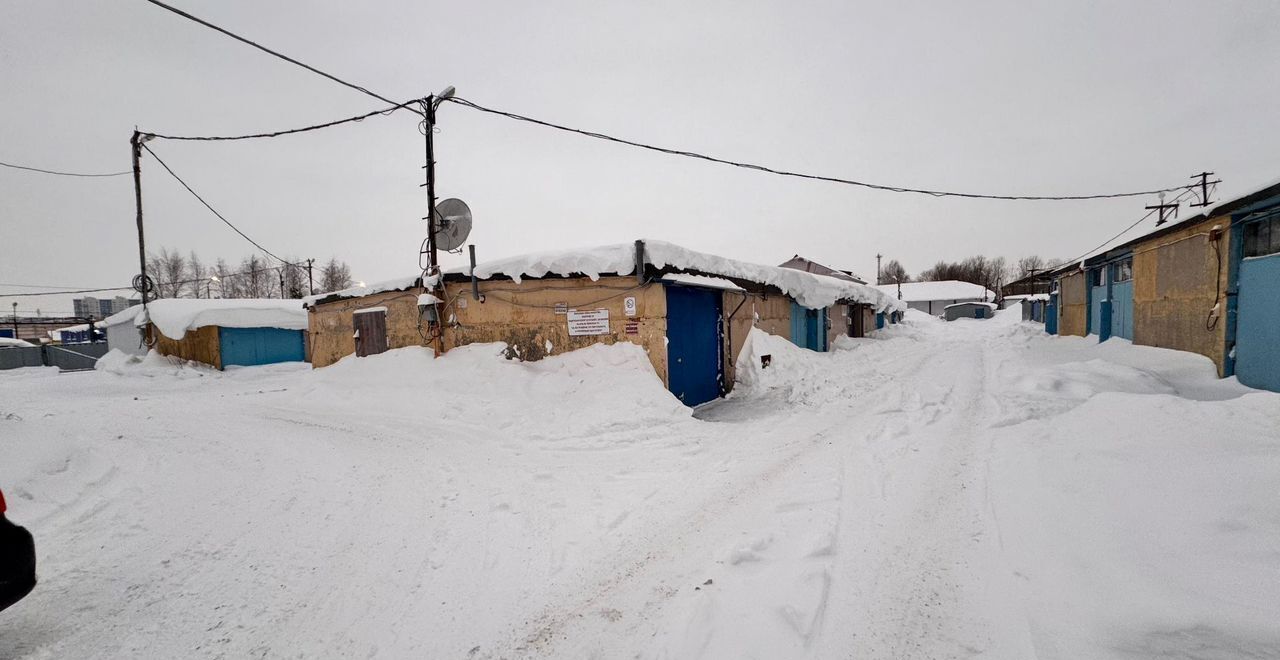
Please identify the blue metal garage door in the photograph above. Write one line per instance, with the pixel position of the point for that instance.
(246, 347)
(1258, 305)
(1099, 308)
(1051, 315)
(808, 327)
(694, 369)
(1121, 297)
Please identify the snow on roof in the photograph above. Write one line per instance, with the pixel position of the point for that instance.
(10, 341)
(943, 290)
(701, 280)
(175, 316)
(397, 284)
(808, 289)
(971, 302)
(127, 315)
(56, 335)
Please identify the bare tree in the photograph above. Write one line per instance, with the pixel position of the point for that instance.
(987, 272)
(335, 276)
(295, 279)
(253, 278)
(1028, 266)
(894, 272)
(197, 273)
(169, 270)
(226, 285)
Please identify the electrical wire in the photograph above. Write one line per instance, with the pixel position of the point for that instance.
(814, 177)
(223, 138)
(264, 49)
(80, 174)
(213, 210)
(1125, 230)
(57, 293)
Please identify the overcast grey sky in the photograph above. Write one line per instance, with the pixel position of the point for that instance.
(1008, 97)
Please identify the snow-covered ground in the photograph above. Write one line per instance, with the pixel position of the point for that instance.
(943, 490)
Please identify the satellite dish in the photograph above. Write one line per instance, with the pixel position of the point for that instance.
(452, 223)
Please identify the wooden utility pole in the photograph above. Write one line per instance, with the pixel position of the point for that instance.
(135, 147)
(878, 271)
(311, 282)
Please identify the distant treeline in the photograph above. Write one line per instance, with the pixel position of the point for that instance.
(189, 276)
(992, 273)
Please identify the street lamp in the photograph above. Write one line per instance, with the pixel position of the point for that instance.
(209, 284)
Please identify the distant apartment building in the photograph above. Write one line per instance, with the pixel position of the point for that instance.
(101, 308)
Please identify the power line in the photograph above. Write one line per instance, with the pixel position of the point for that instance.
(799, 175)
(291, 131)
(264, 49)
(1129, 228)
(81, 174)
(213, 210)
(59, 293)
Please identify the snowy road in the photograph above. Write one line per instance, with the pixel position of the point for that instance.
(945, 490)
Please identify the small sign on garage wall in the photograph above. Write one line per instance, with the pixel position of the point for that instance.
(632, 327)
(562, 308)
(629, 305)
(584, 322)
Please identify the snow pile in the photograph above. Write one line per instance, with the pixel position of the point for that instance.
(175, 316)
(810, 290)
(943, 290)
(151, 365)
(938, 490)
(10, 341)
(701, 280)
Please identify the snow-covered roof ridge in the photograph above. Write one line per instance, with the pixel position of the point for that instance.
(940, 290)
(397, 284)
(808, 289)
(175, 316)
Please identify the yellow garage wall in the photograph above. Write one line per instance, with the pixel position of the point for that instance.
(199, 345)
(1178, 278)
(1073, 305)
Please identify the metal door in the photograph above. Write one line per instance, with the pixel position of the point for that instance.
(1051, 315)
(370, 331)
(1257, 346)
(246, 347)
(808, 327)
(695, 373)
(1122, 309)
(1099, 307)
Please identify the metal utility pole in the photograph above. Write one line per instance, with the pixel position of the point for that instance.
(878, 271)
(311, 283)
(1204, 188)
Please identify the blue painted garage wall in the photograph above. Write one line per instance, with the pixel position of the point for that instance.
(1258, 323)
(1122, 310)
(694, 356)
(247, 347)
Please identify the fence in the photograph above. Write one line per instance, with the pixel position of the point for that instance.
(73, 357)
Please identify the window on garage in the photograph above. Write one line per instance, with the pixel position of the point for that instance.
(1262, 237)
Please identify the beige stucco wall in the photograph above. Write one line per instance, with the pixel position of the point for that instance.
(524, 316)
(1073, 305)
(1178, 278)
(331, 332)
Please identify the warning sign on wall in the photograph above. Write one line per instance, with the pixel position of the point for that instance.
(629, 305)
(632, 327)
(583, 322)
(562, 309)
